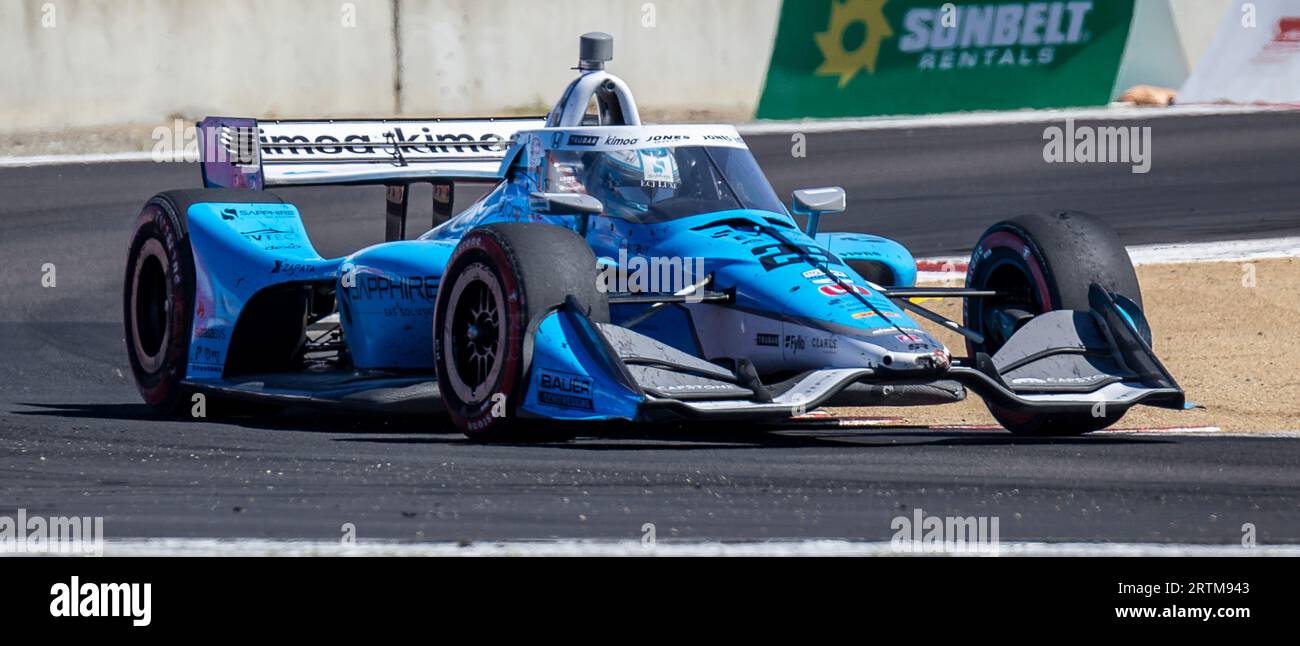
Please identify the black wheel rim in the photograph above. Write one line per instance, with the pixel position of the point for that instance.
(1016, 293)
(476, 326)
(151, 306)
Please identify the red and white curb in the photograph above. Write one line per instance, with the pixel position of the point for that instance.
(825, 419)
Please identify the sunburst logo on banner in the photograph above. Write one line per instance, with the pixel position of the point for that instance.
(845, 64)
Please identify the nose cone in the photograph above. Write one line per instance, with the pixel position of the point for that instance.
(828, 315)
(833, 301)
(785, 272)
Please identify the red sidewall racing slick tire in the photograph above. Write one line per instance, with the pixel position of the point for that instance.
(1046, 262)
(158, 302)
(501, 278)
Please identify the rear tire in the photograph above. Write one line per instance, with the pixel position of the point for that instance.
(499, 280)
(1045, 262)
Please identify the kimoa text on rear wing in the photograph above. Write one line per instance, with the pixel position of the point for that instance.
(247, 153)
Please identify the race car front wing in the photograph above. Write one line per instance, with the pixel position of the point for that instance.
(1063, 361)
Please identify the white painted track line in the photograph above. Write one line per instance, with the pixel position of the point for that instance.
(1200, 431)
(57, 160)
(265, 547)
(1221, 251)
(963, 119)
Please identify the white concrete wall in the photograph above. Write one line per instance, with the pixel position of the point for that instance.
(474, 57)
(105, 62)
(72, 64)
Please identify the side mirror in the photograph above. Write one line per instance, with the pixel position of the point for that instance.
(564, 204)
(813, 202)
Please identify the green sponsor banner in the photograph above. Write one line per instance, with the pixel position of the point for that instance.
(837, 58)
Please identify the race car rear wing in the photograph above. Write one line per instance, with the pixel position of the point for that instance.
(247, 153)
(358, 151)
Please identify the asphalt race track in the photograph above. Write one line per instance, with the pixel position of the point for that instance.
(75, 439)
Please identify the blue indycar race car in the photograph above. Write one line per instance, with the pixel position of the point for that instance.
(615, 271)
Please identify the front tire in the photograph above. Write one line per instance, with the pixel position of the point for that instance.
(158, 302)
(501, 278)
(1041, 263)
